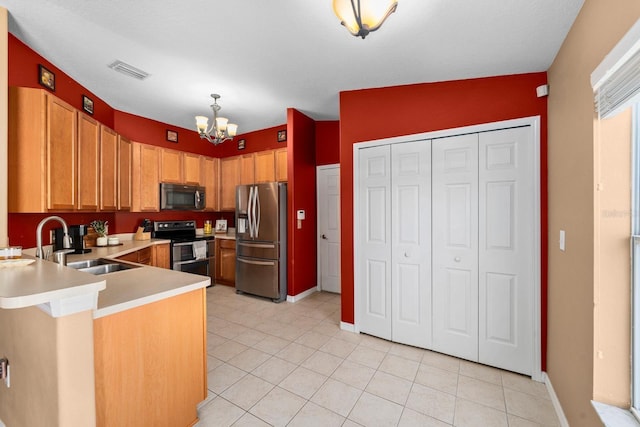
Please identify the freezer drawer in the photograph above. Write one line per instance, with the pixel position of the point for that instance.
(259, 277)
(251, 249)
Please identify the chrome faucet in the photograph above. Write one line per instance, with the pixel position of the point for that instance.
(66, 241)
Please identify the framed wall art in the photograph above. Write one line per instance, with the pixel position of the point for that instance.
(282, 135)
(241, 144)
(87, 104)
(46, 78)
(172, 136)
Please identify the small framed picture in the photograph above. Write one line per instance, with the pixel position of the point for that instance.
(221, 225)
(87, 104)
(172, 136)
(46, 78)
(282, 135)
(241, 144)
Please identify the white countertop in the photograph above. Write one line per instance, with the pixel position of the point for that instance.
(62, 290)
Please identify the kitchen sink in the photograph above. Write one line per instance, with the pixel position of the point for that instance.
(100, 266)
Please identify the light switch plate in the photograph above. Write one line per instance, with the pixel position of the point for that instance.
(562, 240)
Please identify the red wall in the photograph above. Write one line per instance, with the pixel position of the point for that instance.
(429, 107)
(301, 194)
(23, 71)
(327, 142)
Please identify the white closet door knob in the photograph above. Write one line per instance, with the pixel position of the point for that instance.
(457, 259)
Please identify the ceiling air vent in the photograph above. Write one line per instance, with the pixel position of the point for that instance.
(128, 70)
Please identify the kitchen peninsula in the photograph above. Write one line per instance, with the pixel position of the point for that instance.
(124, 348)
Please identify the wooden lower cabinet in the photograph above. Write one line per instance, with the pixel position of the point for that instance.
(154, 255)
(161, 256)
(226, 262)
(150, 363)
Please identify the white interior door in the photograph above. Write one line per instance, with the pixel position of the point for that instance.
(328, 182)
(506, 275)
(455, 245)
(373, 227)
(411, 243)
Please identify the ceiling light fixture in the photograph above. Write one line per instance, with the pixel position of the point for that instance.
(360, 21)
(221, 130)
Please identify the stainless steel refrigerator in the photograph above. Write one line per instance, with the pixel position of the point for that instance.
(261, 240)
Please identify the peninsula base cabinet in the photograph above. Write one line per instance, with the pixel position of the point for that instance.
(446, 245)
(153, 374)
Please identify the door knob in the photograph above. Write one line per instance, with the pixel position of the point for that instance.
(324, 237)
(457, 259)
(406, 255)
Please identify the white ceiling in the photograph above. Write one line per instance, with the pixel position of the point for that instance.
(265, 56)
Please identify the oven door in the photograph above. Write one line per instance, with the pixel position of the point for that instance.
(200, 266)
(182, 251)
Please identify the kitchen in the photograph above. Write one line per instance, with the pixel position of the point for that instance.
(567, 343)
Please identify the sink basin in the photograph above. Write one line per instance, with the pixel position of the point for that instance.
(100, 266)
(89, 263)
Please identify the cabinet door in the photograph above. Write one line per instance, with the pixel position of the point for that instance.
(191, 169)
(88, 160)
(161, 256)
(226, 260)
(281, 164)
(229, 178)
(27, 177)
(124, 174)
(171, 166)
(209, 171)
(265, 166)
(145, 188)
(108, 169)
(247, 169)
(61, 155)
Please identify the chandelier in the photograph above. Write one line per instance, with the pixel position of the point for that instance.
(221, 130)
(360, 21)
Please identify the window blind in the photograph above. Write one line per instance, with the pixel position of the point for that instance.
(620, 89)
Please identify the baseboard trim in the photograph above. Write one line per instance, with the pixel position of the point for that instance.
(555, 401)
(302, 295)
(349, 327)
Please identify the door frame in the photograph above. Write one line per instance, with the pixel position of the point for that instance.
(318, 272)
(534, 122)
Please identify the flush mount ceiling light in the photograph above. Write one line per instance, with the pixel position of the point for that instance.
(361, 20)
(221, 130)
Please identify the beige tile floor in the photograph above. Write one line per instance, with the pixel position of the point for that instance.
(291, 365)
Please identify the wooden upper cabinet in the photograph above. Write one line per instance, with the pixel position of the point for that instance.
(265, 166)
(124, 173)
(247, 169)
(229, 179)
(27, 151)
(61, 154)
(88, 161)
(281, 164)
(108, 169)
(191, 169)
(170, 166)
(209, 171)
(145, 178)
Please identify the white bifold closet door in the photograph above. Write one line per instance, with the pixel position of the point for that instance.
(483, 240)
(395, 235)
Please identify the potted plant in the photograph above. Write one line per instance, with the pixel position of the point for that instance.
(100, 227)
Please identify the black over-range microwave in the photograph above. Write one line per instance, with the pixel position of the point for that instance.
(181, 197)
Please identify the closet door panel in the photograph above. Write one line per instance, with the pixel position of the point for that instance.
(506, 276)
(373, 258)
(411, 248)
(455, 245)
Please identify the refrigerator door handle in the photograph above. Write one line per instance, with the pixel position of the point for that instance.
(249, 204)
(257, 218)
(257, 245)
(246, 261)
